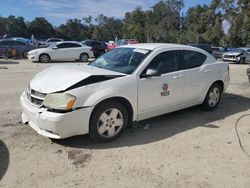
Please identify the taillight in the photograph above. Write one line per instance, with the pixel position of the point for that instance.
(91, 49)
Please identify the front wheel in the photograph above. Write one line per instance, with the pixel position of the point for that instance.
(213, 97)
(241, 61)
(108, 121)
(44, 58)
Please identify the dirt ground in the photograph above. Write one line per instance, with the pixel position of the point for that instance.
(188, 148)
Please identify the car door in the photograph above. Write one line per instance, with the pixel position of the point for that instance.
(196, 75)
(60, 52)
(18, 46)
(160, 94)
(75, 50)
(4, 44)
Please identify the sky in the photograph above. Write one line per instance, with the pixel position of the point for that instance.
(58, 11)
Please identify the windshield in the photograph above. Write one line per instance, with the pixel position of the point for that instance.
(52, 45)
(123, 60)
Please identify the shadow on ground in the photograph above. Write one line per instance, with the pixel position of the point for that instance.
(4, 159)
(61, 62)
(165, 126)
(7, 62)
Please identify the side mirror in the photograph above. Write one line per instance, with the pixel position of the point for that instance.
(55, 48)
(150, 73)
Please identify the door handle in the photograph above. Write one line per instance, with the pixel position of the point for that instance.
(207, 70)
(177, 76)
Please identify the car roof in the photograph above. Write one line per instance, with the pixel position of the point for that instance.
(13, 40)
(153, 46)
(61, 42)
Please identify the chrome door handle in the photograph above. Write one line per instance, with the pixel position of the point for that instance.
(177, 76)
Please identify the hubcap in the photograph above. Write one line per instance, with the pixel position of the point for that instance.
(84, 58)
(44, 59)
(110, 123)
(214, 97)
(25, 54)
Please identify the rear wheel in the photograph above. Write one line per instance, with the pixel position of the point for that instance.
(108, 121)
(44, 58)
(213, 97)
(84, 57)
(25, 54)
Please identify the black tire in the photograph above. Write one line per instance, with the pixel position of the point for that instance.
(44, 58)
(95, 121)
(84, 57)
(211, 102)
(241, 61)
(25, 54)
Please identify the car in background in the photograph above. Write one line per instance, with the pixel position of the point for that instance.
(217, 52)
(236, 55)
(48, 42)
(121, 42)
(98, 48)
(206, 47)
(247, 54)
(22, 39)
(21, 47)
(128, 84)
(61, 51)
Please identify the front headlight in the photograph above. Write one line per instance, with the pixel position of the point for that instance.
(59, 101)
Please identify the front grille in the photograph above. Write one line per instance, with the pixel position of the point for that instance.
(35, 97)
(230, 56)
(38, 94)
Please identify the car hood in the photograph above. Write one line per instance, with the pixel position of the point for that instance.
(62, 77)
(40, 50)
(232, 53)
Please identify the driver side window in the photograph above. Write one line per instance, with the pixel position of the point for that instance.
(165, 62)
(63, 45)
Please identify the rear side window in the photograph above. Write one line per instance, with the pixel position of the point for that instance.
(5, 43)
(73, 45)
(192, 59)
(165, 62)
(63, 45)
(17, 43)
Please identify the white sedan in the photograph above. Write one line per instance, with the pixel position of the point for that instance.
(127, 84)
(62, 51)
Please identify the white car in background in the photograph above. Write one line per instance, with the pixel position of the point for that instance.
(128, 84)
(62, 51)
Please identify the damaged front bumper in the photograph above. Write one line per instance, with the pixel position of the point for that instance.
(55, 125)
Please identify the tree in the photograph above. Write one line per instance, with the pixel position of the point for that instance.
(134, 25)
(163, 21)
(14, 26)
(204, 24)
(41, 28)
(239, 18)
(107, 28)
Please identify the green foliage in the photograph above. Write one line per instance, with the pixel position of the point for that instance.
(41, 28)
(15, 25)
(239, 16)
(163, 22)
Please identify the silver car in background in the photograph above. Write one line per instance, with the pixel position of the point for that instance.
(237, 55)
